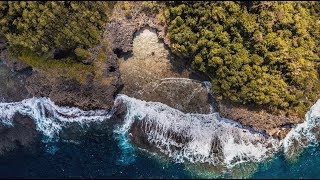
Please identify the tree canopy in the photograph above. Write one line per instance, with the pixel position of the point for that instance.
(263, 53)
(46, 27)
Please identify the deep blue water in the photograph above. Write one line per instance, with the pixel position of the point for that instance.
(97, 156)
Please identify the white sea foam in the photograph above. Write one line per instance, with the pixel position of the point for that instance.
(197, 132)
(49, 118)
(196, 138)
(304, 134)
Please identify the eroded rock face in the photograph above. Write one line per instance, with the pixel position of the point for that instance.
(149, 62)
(186, 95)
(148, 75)
(22, 134)
(94, 93)
(97, 92)
(12, 87)
(260, 120)
(123, 24)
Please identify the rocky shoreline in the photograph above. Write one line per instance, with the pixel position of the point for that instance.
(125, 69)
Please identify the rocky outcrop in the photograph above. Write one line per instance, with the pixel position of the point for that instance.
(22, 135)
(13, 62)
(149, 75)
(12, 88)
(279, 133)
(97, 92)
(149, 62)
(258, 119)
(186, 95)
(125, 22)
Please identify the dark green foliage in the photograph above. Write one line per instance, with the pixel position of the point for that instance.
(47, 26)
(265, 53)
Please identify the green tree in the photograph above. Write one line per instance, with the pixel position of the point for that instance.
(265, 53)
(48, 27)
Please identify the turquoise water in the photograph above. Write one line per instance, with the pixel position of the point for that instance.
(307, 166)
(97, 155)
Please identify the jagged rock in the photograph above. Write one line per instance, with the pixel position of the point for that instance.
(283, 133)
(94, 93)
(256, 118)
(13, 63)
(279, 133)
(12, 88)
(42, 86)
(22, 134)
(121, 28)
(69, 92)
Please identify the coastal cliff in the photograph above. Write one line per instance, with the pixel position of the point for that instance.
(131, 42)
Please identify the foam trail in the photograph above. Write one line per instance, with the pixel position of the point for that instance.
(49, 118)
(304, 134)
(197, 138)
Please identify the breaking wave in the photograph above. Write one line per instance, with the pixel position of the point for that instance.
(184, 137)
(49, 118)
(197, 138)
(304, 134)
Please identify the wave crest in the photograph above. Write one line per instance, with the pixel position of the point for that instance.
(49, 118)
(197, 138)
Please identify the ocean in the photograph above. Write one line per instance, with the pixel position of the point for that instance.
(83, 144)
(97, 156)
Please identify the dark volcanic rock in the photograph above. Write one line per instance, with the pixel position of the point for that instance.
(258, 119)
(3, 43)
(70, 92)
(97, 91)
(41, 88)
(123, 25)
(12, 88)
(12, 84)
(119, 111)
(22, 134)
(13, 62)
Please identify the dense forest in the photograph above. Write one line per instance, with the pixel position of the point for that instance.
(54, 28)
(257, 52)
(264, 53)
